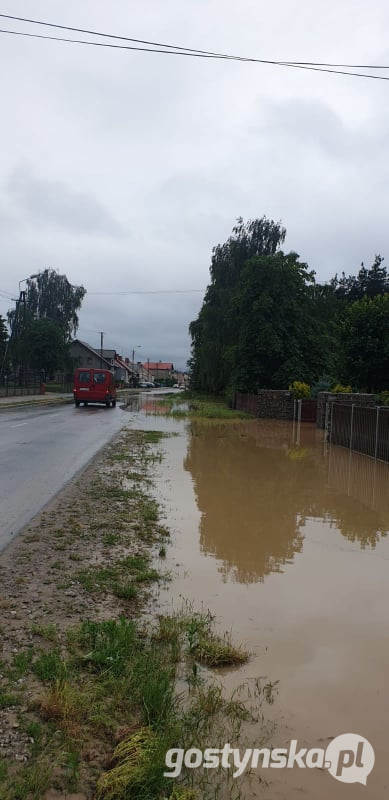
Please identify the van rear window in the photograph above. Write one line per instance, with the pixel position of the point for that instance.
(99, 377)
(83, 377)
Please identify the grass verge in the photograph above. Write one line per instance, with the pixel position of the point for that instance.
(197, 406)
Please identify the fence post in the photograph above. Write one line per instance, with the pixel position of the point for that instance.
(299, 404)
(352, 426)
(332, 416)
(294, 421)
(376, 433)
(325, 440)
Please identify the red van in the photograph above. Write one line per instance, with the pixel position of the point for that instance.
(94, 386)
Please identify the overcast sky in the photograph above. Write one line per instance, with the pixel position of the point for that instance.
(123, 169)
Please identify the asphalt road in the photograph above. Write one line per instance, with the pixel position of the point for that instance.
(41, 450)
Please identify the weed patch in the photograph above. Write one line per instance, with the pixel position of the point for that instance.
(49, 666)
(120, 577)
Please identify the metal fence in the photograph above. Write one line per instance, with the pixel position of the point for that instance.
(360, 428)
(24, 382)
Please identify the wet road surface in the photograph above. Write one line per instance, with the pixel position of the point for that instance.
(41, 450)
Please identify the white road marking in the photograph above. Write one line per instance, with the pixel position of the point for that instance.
(19, 425)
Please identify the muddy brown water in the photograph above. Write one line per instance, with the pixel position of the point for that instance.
(288, 545)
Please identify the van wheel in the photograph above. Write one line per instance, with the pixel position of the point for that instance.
(113, 403)
(107, 403)
(77, 403)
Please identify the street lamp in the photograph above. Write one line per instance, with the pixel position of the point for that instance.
(138, 347)
(30, 278)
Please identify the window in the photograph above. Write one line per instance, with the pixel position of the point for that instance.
(99, 377)
(83, 377)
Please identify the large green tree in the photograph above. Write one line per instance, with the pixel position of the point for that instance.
(365, 340)
(367, 283)
(49, 313)
(214, 333)
(264, 321)
(281, 337)
(44, 346)
(50, 295)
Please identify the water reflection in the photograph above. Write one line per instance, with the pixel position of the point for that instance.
(256, 488)
(363, 484)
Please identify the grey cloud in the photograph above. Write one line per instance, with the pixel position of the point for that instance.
(102, 143)
(54, 204)
(310, 123)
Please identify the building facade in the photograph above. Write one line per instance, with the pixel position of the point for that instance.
(159, 370)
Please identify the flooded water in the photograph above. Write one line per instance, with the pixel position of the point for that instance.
(287, 542)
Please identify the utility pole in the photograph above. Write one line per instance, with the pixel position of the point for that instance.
(20, 302)
(133, 353)
(101, 348)
(16, 327)
(10, 338)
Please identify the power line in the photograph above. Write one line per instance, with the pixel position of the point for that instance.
(152, 291)
(108, 35)
(130, 291)
(194, 50)
(196, 54)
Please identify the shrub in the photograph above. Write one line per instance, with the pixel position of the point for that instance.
(301, 391)
(384, 398)
(340, 389)
(324, 384)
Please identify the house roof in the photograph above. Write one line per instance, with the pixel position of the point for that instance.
(92, 350)
(158, 365)
(122, 364)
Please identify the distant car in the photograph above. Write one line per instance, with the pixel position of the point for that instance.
(143, 385)
(176, 386)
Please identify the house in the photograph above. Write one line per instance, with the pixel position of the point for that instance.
(126, 372)
(83, 355)
(159, 370)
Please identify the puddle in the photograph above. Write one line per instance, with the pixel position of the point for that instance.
(288, 545)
